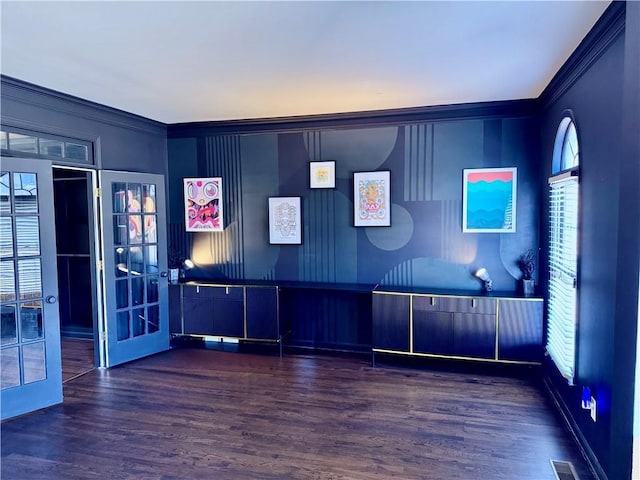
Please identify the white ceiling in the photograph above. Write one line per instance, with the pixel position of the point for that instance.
(212, 60)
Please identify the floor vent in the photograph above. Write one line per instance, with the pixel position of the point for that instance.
(564, 470)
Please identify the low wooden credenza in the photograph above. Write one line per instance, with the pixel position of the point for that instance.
(500, 327)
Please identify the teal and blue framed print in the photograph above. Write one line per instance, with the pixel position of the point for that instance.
(489, 200)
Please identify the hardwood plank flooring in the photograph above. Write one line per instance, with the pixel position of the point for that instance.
(201, 414)
(77, 357)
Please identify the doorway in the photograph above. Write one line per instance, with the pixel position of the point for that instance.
(76, 261)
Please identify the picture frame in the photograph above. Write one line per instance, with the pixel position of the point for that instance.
(203, 210)
(285, 221)
(322, 174)
(372, 199)
(489, 197)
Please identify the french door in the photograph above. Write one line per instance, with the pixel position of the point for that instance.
(134, 247)
(31, 371)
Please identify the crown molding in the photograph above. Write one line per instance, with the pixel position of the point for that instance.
(481, 110)
(42, 97)
(606, 30)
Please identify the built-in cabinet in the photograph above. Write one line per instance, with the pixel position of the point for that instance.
(493, 328)
(498, 328)
(244, 312)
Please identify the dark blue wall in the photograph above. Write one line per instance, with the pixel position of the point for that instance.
(592, 86)
(121, 140)
(424, 246)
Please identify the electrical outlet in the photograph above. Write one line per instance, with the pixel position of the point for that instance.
(593, 409)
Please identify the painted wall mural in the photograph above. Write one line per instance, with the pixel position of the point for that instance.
(424, 245)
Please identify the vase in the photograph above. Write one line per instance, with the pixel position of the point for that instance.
(528, 287)
(173, 275)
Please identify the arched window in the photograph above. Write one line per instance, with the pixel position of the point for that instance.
(563, 249)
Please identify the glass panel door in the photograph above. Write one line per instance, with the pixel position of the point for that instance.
(30, 335)
(134, 258)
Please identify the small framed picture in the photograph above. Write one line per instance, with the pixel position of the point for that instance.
(285, 221)
(203, 204)
(372, 199)
(322, 174)
(489, 200)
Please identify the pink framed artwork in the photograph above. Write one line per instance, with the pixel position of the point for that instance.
(203, 204)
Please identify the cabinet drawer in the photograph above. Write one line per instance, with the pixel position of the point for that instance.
(213, 292)
(434, 303)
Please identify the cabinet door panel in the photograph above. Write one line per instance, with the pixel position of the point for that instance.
(432, 332)
(175, 309)
(262, 314)
(474, 335)
(520, 330)
(228, 318)
(391, 322)
(198, 316)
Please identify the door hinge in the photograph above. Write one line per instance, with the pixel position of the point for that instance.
(100, 265)
(97, 192)
(103, 336)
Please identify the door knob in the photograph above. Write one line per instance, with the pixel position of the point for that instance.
(164, 274)
(51, 299)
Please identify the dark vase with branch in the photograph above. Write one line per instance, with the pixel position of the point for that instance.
(527, 267)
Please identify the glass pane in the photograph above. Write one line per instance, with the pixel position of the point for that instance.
(6, 237)
(150, 230)
(31, 320)
(122, 293)
(9, 324)
(135, 229)
(3, 140)
(29, 278)
(137, 291)
(76, 152)
(137, 261)
(152, 289)
(138, 322)
(23, 143)
(134, 198)
(151, 258)
(53, 148)
(122, 320)
(25, 192)
(10, 376)
(119, 191)
(120, 229)
(7, 281)
(153, 319)
(121, 256)
(149, 195)
(28, 236)
(35, 366)
(5, 194)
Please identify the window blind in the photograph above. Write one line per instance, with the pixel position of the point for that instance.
(563, 260)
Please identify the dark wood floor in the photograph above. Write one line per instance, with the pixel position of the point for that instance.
(77, 357)
(217, 415)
